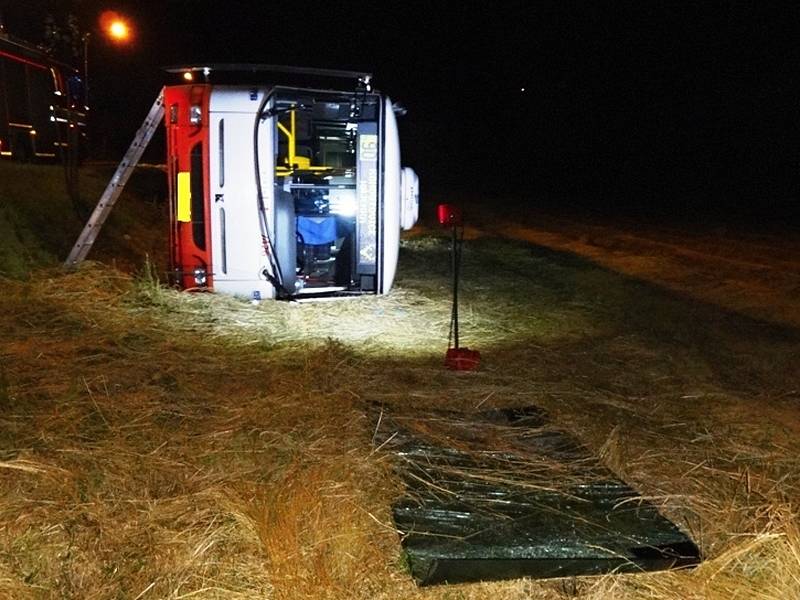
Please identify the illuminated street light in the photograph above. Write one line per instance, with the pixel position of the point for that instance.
(119, 31)
(114, 27)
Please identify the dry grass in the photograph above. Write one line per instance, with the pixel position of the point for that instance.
(753, 273)
(164, 445)
(142, 463)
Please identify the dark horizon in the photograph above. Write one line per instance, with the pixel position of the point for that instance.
(652, 109)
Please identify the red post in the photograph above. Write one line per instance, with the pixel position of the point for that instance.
(457, 358)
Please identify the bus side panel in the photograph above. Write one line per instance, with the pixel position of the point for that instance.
(187, 163)
(239, 255)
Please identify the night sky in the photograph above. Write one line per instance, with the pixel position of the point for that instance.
(670, 108)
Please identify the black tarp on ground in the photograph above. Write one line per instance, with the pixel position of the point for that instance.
(503, 494)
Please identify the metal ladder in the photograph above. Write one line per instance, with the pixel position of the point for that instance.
(117, 184)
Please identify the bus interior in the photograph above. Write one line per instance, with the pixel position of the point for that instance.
(317, 161)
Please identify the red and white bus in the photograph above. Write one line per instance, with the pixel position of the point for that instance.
(285, 191)
(42, 108)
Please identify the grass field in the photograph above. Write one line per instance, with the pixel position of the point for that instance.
(157, 444)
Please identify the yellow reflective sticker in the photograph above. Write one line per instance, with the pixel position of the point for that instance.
(184, 197)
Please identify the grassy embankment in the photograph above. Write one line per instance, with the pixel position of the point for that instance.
(155, 444)
(39, 224)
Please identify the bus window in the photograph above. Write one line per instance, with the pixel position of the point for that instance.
(198, 196)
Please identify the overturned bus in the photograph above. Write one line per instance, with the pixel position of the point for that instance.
(285, 191)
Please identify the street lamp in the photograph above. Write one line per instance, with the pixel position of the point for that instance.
(119, 30)
(114, 27)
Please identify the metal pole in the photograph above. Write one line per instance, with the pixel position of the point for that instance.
(85, 39)
(455, 286)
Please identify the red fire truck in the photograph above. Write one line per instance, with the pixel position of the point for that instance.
(42, 108)
(285, 191)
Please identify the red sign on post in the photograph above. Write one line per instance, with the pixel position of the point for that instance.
(449, 215)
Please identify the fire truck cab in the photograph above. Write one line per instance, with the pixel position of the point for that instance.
(285, 192)
(42, 103)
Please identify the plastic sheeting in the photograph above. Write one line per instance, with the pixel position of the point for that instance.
(503, 494)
